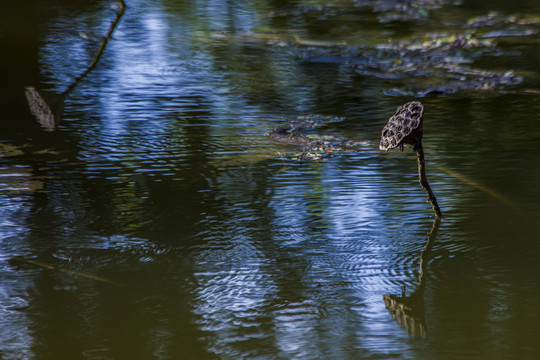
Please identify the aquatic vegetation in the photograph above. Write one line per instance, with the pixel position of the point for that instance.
(448, 60)
(436, 64)
(495, 18)
(312, 145)
(395, 10)
(386, 10)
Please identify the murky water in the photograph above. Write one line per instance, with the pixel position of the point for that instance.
(159, 220)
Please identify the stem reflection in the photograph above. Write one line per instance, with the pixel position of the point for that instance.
(409, 311)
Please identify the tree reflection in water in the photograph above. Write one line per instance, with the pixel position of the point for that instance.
(48, 107)
(409, 311)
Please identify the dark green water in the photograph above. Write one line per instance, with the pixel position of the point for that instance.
(161, 179)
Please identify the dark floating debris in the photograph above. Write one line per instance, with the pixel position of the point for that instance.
(498, 19)
(438, 63)
(473, 81)
(308, 144)
(423, 64)
(385, 10)
(392, 10)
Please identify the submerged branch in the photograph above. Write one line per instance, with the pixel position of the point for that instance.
(52, 267)
(481, 187)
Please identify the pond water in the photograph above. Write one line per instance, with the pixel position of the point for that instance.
(159, 220)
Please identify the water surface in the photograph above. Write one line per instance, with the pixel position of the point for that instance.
(175, 228)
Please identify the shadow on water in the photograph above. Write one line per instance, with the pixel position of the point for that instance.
(409, 310)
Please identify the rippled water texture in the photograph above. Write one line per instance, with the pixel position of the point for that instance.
(158, 220)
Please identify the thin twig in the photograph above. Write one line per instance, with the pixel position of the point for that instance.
(99, 52)
(52, 267)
